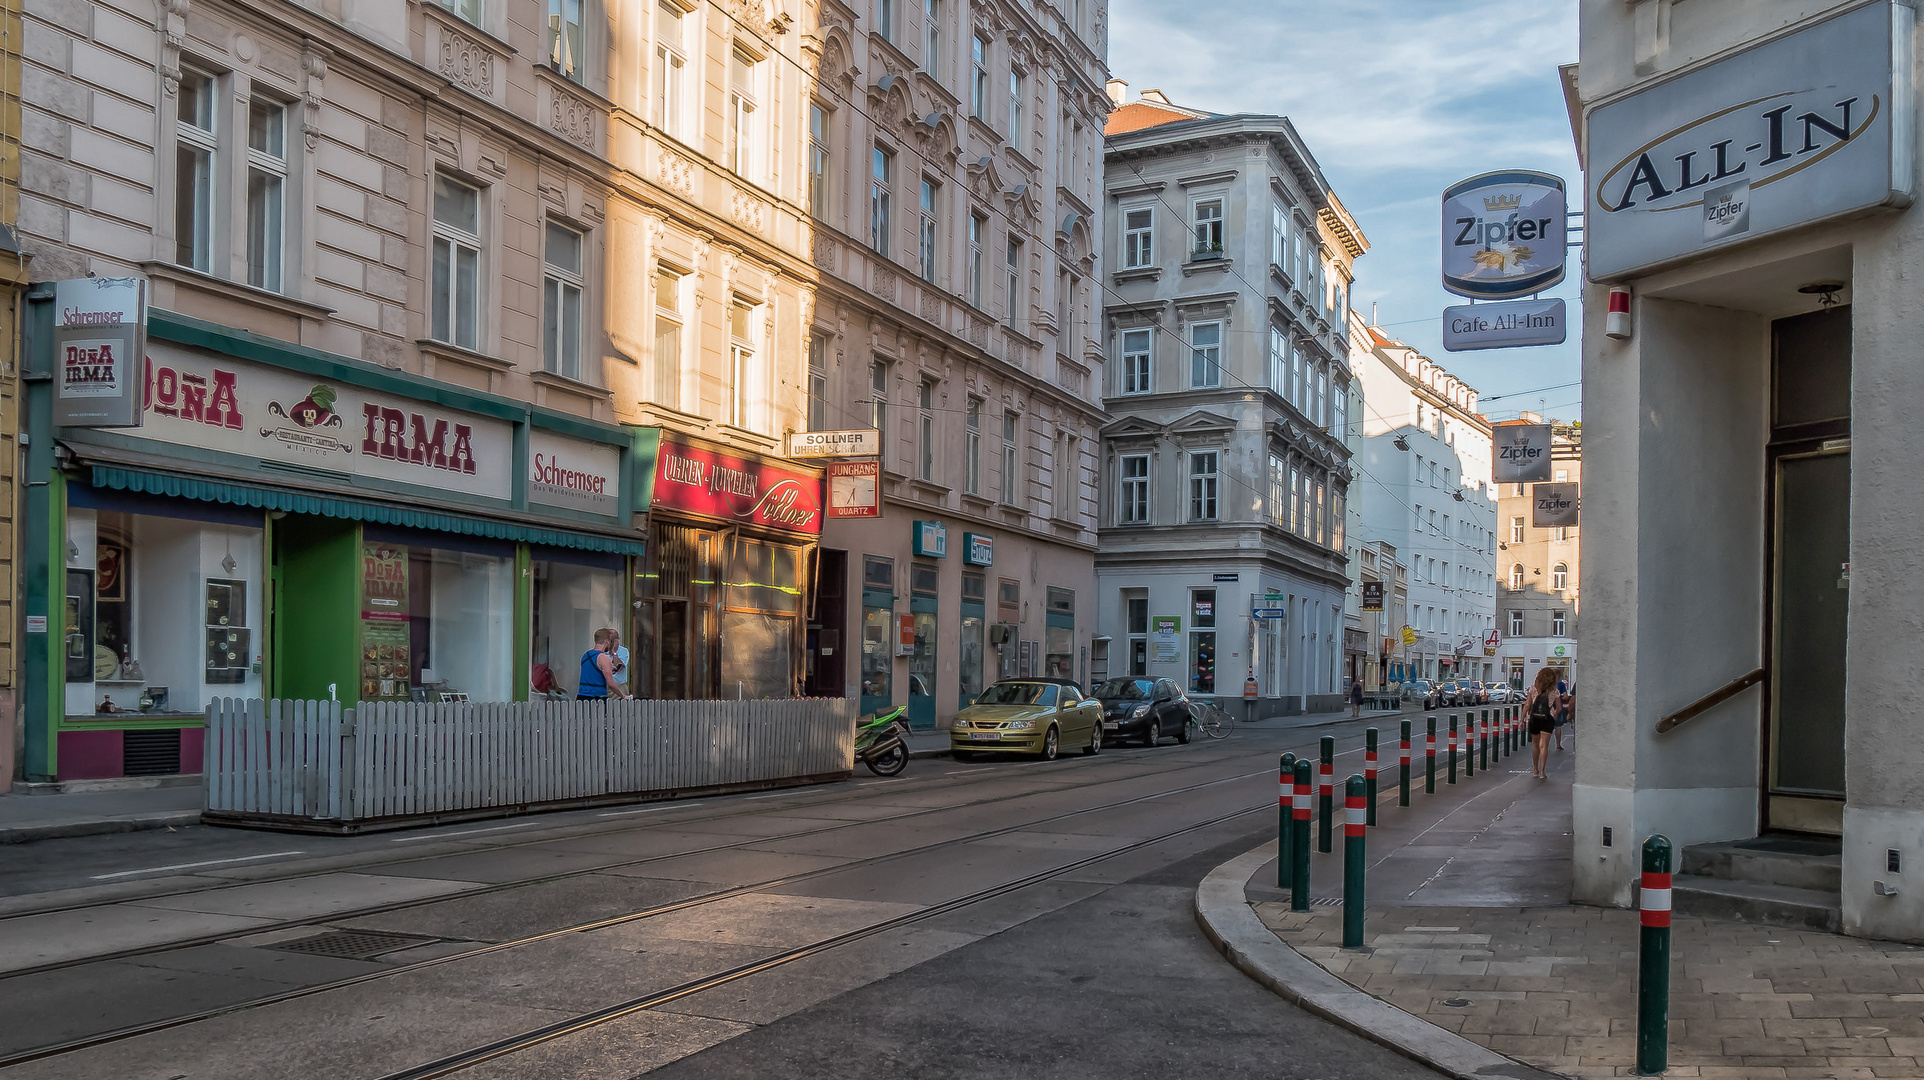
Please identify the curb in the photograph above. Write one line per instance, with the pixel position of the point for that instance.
(54, 830)
(1232, 926)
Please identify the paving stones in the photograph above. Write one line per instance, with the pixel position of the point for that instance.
(1555, 987)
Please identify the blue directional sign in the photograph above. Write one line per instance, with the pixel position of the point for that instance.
(1269, 613)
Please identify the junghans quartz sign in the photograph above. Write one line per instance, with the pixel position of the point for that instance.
(1793, 131)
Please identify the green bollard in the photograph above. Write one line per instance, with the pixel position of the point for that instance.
(1653, 959)
(1369, 770)
(1483, 739)
(1429, 761)
(1354, 862)
(1325, 800)
(1452, 748)
(1403, 780)
(1469, 743)
(1299, 840)
(1285, 813)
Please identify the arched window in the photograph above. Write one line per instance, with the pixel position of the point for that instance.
(1516, 575)
(1560, 577)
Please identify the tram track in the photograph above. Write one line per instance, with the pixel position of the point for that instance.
(137, 1030)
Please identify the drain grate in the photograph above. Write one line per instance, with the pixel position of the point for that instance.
(351, 944)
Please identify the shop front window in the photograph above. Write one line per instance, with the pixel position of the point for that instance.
(161, 615)
(974, 594)
(1059, 652)
(1202, 662)
(436, 623)
(923, 582)
(878, 633)
(576, 594)
(761, 604)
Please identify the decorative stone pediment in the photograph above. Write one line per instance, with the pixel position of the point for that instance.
(1203, 422)
(1132, 428)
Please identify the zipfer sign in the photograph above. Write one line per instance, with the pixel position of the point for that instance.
(1790, 132)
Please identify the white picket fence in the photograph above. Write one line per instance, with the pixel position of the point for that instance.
(317, 764)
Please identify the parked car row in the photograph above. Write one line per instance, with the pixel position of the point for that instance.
(1043, 717)
(1459, 693)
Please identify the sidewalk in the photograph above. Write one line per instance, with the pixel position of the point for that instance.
(43, 817)
(1472, 940)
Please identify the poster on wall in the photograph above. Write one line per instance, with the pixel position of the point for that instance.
(1165, 639)
(1522, 454)
(384, 622)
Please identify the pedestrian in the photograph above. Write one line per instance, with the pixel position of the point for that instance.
(1355, 698)
(1563, 710)
(1541, 706)
(598, 681)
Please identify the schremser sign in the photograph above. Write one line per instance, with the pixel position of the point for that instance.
(99, 333)
(573, 474)
(1793, 131)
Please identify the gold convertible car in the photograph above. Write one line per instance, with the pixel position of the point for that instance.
(1042, 717)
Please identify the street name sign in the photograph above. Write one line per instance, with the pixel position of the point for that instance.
(1269, 613)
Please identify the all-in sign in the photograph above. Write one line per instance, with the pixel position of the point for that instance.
(1553, 505)
(1504, 234)
(1522, 454)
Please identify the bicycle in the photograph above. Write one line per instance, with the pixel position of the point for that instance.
(1213, 719)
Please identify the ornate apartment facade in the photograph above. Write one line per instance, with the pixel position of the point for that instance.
(954, 153)
(501, 304)
(1225, 465)
(1539, 569)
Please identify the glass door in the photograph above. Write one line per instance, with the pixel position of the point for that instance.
(1810, 594)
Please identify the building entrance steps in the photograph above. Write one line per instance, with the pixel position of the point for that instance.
(1778, 880)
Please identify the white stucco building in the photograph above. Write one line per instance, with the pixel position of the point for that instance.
(1423, 478)
(1752, 447)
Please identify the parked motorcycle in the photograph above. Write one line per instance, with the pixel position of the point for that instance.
(881, 741)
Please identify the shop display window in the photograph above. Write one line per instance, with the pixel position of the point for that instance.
(762, 603)
(161, 614)
(436, 624)
(1059, 644)
(574, 596)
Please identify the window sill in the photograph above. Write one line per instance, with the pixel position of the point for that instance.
(198, 281)
(1211, 266)
(456, 22)
(936, 492)
(549, 386)
(493, 371)
(1138, 273)
(744, 435)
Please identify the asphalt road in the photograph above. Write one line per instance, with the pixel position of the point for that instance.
(995, 919)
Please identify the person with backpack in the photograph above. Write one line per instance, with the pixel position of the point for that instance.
(1541, 706)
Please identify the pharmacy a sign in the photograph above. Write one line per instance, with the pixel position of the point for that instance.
(1504, 234)
(1521, 453)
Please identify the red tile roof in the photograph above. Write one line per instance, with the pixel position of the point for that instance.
(1137, 115)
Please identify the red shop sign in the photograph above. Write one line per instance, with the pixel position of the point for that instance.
(718, 485)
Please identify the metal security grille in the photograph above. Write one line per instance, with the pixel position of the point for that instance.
(150, 753)
(351, 944)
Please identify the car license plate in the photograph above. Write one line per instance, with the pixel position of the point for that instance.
(984, 736)
(1110, 725)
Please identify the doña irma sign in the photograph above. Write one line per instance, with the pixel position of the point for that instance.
(1793, 131)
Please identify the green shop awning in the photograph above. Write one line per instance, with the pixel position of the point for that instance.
(295, 502)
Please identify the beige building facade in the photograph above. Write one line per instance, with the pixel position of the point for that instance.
(1538, 571)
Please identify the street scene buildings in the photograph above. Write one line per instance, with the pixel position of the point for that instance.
(1225, 465)
(1538, 569)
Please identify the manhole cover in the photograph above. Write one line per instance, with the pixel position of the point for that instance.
(351, 944)
(1457, 1003)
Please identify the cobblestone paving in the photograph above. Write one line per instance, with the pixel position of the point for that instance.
(1556, 988)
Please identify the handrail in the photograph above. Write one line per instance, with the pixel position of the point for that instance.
(1716, 697)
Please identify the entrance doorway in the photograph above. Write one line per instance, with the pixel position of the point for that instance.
(1809, 568)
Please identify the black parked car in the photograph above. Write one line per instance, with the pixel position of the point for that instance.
(1424, 691)
(1134, 707)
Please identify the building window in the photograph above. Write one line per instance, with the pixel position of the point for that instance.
(561, 302)
(817, 383)
(454, 298)
(1278, 235)
(1516, 624)
(978, 231)
(925, 457)
(1138, 238)
(1562, 475)
(925, 235)
(1320, 525)
(1295, 499)
(1278, 361)
(744, 120)
(1338, 507)
(1064, 476)
(932, 38)
(979, 79)
(817, 161)
(668, 338)
(744, 367)
(881, 177)
(1516, 529)
(1319, 414)
(1209, 226)
(1206, 354)
(1560, 533)
(885, 19)
(195, 144)
(1560, 577)
(1017, 90)
(1132, 502)
(1202, 487)
(671, 61)
(1009, 460)
(1557, 623)
(1339, 411)
(266, 193)
(564, 37)
(1136, 346)
(1516, 575)
(878, 418)
(468, 11)
(1014, 286)
(972, 463)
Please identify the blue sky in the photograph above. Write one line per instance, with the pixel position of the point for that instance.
(1397, 99)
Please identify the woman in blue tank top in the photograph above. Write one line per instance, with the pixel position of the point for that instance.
(598, 669)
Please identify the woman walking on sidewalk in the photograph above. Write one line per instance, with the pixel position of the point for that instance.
(1541, 704)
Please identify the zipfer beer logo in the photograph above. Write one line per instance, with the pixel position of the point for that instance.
(1519, 453)
(1753, 143)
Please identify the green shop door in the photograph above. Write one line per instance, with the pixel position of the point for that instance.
(922, 665)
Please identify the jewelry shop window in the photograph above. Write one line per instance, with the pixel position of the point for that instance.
(761, 604)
